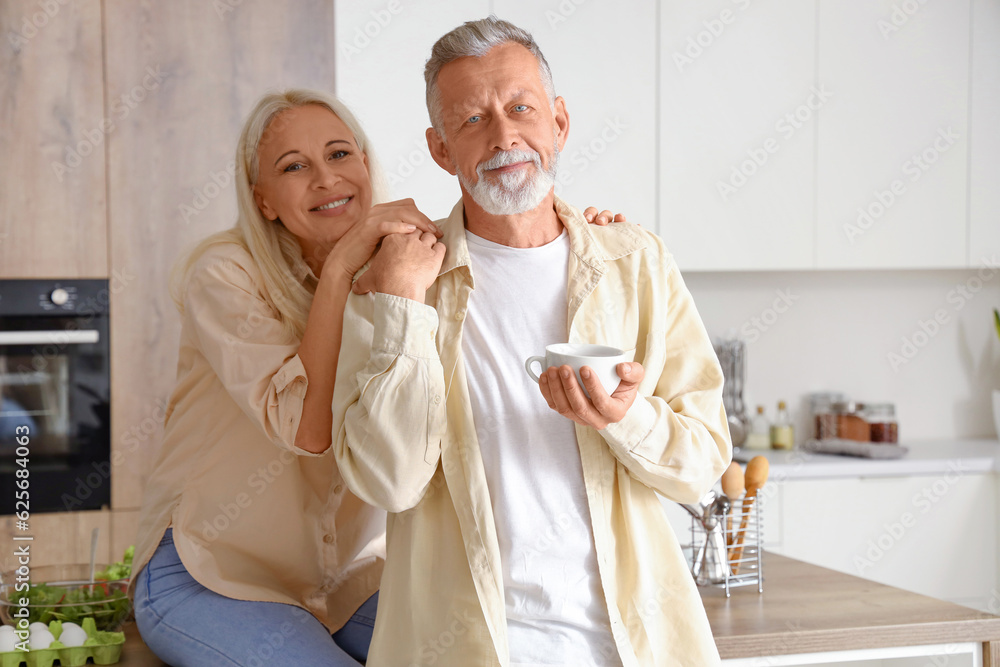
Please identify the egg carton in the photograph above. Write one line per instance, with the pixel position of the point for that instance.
(104, 648)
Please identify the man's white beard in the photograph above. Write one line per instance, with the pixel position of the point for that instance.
(514, 192)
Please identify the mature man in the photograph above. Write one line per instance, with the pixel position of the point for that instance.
(524, 526)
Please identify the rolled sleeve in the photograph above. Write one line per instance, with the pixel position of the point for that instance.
(389, 400)
(675, 437)
(247, 346)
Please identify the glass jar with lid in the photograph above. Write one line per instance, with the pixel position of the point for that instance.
(824, 418)
(882, 425)
(850, 421)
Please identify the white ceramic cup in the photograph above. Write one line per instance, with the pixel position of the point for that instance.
(602, 359)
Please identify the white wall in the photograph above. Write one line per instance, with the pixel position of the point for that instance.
(840, 328)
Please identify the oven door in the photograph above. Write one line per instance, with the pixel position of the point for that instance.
(54, 388)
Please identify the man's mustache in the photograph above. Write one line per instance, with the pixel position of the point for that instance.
(513, 156)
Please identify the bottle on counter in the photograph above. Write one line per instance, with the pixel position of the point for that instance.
(882, 425)
(760, 431)
(782, 433)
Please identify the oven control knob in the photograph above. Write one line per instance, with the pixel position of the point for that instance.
(59, 296)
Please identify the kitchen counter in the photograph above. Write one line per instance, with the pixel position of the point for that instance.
(810, 609)
(804, 609)
(925, 457)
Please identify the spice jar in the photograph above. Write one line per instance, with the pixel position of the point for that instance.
(824, 419)
(882, 425)
(850, 420)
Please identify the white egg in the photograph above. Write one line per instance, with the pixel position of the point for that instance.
(8, 640)
(72, 635)
(37, 627)
(40, 639)
(7, 630)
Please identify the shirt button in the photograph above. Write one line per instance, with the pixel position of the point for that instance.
(437, 400)
(459, 315)
(338, 488)
(329, 539)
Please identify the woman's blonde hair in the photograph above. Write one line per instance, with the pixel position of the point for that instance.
(288, 284)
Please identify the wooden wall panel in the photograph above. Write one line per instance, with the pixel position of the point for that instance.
(60, 538)
(52, 136)
(189, 70)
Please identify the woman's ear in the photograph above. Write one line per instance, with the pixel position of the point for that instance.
(264, 207)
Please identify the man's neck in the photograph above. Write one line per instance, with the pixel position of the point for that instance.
(530, 229)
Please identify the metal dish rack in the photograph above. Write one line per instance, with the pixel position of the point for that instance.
(742, 563)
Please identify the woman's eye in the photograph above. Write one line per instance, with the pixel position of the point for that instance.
(336, 155)
(295, 166)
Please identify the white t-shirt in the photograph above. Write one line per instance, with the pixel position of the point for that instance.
(556, 612)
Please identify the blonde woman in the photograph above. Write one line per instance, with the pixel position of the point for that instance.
(251, 550)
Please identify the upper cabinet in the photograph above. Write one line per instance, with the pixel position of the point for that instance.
(381, 50)
(738, 115)
(984, 157)
(600, 60)
(834, 134)
(53, 130)
(893, 144)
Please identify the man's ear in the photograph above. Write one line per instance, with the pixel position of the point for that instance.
(439, 150)
(562, 121)
(264, 207)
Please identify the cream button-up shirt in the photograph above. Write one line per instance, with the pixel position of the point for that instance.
(405, 441)
(253, 516)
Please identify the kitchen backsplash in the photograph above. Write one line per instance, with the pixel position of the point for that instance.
(923, 340)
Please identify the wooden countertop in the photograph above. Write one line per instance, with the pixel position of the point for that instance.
(804, 609)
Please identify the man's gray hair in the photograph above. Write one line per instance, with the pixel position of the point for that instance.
(477, 38)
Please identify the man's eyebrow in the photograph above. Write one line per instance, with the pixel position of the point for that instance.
(295, 150)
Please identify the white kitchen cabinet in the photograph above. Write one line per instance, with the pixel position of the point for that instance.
(892, 148)
(601, 53)
(738, 113)
(382, 46)
(934, 534)
(984, 149)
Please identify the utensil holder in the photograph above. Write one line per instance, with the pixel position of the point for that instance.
(740, 530)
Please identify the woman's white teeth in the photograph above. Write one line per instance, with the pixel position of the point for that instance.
(333, 204)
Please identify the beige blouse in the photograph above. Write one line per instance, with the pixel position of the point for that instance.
(253, 516)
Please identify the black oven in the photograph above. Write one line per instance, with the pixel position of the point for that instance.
(55, 388)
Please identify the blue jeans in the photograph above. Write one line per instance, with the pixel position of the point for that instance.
(185, 624)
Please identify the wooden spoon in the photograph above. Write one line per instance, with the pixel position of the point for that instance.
(732, 486)
(756, 477)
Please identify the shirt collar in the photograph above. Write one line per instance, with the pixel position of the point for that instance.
(594, 245)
